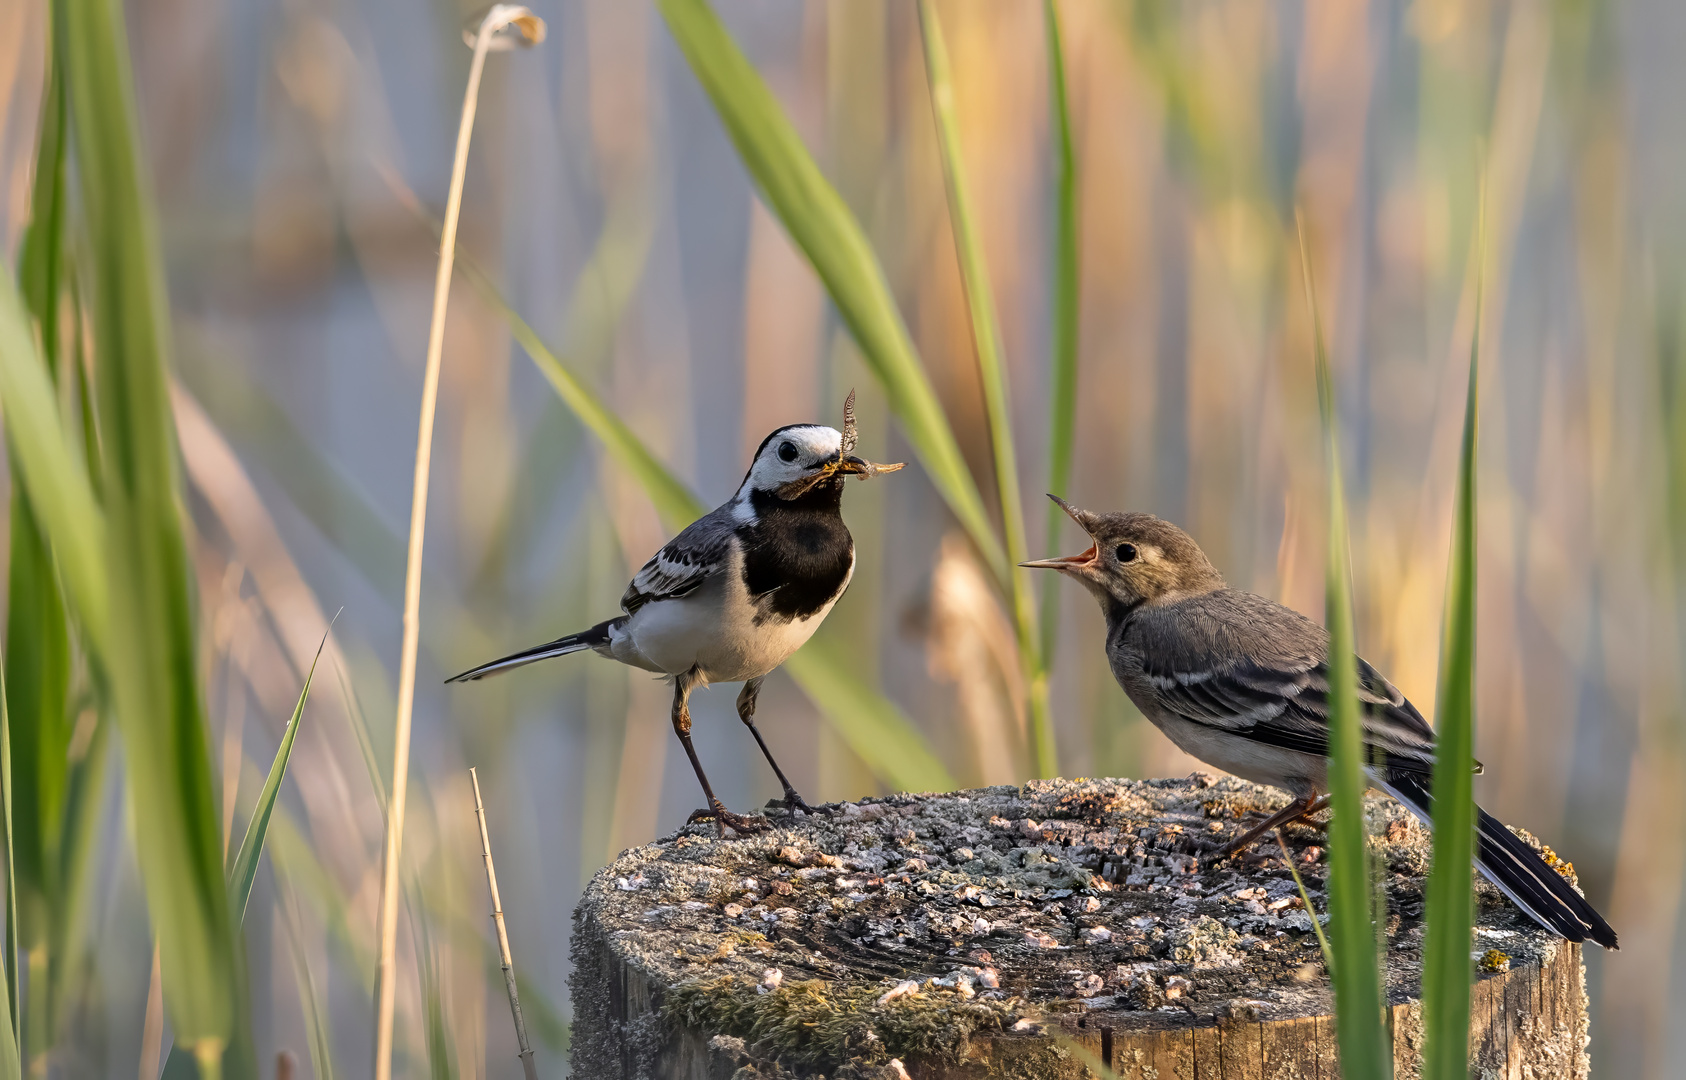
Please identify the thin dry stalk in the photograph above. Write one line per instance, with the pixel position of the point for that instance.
(531, 30)
(504, 958)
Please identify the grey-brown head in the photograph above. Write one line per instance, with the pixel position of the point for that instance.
(1135, 559)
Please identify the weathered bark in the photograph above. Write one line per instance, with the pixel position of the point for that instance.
(1087, 904)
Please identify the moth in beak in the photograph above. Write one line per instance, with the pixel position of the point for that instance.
(845, 463)
(1083, 560)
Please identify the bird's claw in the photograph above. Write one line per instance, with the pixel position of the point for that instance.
(742, 824)
(794, 802)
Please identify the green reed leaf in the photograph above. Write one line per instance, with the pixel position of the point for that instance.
(1062, 397)
(992, 374)
(149, 655)
(243, 868)
(1450, 893)
(40, 450)
(821, 225)
(1360, 1029)
(38, 655)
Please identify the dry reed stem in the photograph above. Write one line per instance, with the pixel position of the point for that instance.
(532, 30)
(504, 958)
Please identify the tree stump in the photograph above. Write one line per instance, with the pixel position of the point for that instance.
(1025, 932)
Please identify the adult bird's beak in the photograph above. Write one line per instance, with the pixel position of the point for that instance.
(1081, 561)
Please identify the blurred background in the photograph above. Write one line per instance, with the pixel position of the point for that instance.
(300, 149)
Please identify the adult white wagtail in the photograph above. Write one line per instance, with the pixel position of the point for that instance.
(731, 597)
(1241, 683)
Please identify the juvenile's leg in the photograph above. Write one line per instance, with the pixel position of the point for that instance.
(1294, 811)
(723, 817)
(747, 698)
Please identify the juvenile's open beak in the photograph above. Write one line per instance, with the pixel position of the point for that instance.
(1064, 562)
(1081, 561)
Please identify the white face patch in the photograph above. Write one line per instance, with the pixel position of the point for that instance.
(790, 455)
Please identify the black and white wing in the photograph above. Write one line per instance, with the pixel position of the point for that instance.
(1256, 669)
(687, 561)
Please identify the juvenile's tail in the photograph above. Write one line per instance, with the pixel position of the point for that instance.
(562, 646)
(1518, 870)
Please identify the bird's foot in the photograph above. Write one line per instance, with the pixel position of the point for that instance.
(794, 802)
(742, 824)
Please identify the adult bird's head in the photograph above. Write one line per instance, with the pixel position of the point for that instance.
(800, 459)
(1135, 559)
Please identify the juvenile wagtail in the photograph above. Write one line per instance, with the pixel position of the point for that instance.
(731, 597)
(1241, 683)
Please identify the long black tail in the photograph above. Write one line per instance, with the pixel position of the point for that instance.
(562, 646)
(1519, 871)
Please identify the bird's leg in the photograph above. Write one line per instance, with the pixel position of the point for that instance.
(682, 727)
(1294, 811)
(746, 712)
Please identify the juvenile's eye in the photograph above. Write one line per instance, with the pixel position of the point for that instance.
(1126, 552)
(787, 451)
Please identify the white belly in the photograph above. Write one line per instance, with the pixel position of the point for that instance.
(1274, 766)
(714, 630)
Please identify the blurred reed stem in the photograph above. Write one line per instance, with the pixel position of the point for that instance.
(1450, 899)
(1359, 1025)
(532, 30)
(1062, 397)
(992, 375)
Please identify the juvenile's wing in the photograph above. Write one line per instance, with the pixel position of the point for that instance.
(1251, 667)
(682, 566)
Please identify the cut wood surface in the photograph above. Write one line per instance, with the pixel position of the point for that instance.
(1024, 932)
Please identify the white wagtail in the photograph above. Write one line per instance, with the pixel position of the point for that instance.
(1241, 683)
(731, 597)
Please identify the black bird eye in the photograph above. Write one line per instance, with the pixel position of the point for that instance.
(787, 451)
(1126, 552)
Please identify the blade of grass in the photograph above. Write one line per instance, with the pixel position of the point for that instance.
(531, 30)
(674, 502)
(70, 964)
(59, 492)
(37, 663)
(1450, 914)
(150, 654)
(872, 725)
(820, 223)
(1305, 898)
(243, 868)
(1359, 1027)
(986, 341)
(1062, 398)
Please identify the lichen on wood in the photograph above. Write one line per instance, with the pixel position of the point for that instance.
(980, 933)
